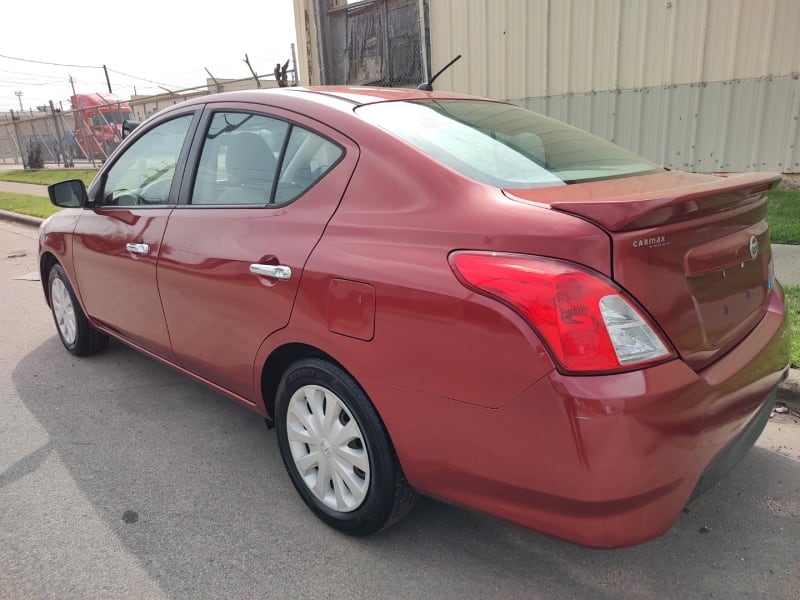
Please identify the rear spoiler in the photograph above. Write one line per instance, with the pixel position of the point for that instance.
(631, 203)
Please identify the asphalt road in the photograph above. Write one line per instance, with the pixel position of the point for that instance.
(120, 478)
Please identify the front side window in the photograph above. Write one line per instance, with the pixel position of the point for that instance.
(250, 159)
(142, 176)
(504, 145)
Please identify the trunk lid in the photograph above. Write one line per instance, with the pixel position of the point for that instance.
(692, 249)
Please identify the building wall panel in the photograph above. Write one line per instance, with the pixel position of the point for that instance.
(575, 46)
(694, 84)
(785, 55)
(745, 125)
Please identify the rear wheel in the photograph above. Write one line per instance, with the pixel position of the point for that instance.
(74, 329)
(337, 451)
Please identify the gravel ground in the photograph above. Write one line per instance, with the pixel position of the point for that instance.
(790, 181)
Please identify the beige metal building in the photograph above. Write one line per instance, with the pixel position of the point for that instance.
(703, 85)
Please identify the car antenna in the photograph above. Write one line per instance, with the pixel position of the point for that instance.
(428, 87)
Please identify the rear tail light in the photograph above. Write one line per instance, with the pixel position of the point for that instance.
(589, 324)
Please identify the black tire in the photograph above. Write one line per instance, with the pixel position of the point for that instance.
(386, 495)
(80, 338)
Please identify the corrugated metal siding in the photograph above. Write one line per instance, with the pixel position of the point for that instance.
(742, 125)
(532, 48)
(694, 84)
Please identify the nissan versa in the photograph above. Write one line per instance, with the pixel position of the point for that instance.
(436, 294)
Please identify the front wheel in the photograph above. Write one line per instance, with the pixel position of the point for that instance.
(74, 329)
(337, 451)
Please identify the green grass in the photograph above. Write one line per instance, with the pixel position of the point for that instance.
(25, 204)
(47, 176)
(783, 210)
(783, 216)
(793, 302)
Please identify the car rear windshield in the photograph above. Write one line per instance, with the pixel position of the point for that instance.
(504, 145)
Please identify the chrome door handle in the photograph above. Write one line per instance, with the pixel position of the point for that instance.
(138, 248)
(276, 271)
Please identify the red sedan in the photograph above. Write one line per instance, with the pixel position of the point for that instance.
(436, 294)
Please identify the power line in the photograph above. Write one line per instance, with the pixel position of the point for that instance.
(139, 78)
(38, 75)
(27, 83)
(54, 64)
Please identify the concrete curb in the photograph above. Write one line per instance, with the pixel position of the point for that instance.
(20, 219)
(788, 392)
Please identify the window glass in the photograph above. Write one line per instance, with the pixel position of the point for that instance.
(504, 145)
(239, 159)
(114, 116)
(143, 174)
(308, 157)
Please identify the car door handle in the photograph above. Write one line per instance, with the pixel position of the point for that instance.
(138, 248)
(276, 271)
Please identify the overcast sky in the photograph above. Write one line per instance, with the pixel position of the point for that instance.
(168, 43)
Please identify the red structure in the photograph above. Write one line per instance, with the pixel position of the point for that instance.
(98, 122)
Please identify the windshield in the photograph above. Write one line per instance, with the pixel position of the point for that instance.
(502, 144)
(113, 116)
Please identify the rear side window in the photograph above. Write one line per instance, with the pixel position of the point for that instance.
(251, 159)
(308, 157)
(504, 145)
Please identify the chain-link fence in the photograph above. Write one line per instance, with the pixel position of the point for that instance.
(10, 151)
(62, 137)
(376, 43)
(382, 42)
(92, 128)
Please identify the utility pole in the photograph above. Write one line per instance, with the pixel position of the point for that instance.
(247, 61)
(18, 94)
(72, 83)
(108, 81)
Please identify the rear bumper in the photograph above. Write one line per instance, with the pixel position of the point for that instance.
(602, 460)
(730, 456)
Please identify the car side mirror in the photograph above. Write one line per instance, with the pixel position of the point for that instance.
(128, 127)
(68, 194)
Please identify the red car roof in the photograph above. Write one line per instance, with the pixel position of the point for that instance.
(350, 94)
(364, 95)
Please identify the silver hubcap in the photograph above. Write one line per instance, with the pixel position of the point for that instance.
(328, 448)
(64, 311)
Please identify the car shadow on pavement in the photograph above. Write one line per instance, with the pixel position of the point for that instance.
(193, 487)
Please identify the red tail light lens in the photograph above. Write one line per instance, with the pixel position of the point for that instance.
(587, 322)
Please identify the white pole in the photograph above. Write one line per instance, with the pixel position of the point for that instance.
(423, 41)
